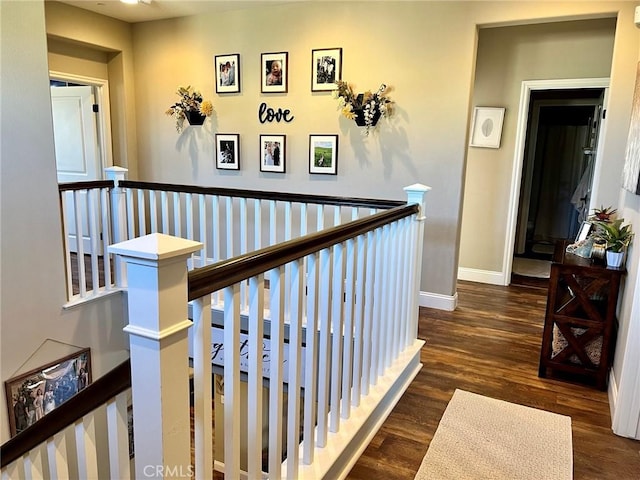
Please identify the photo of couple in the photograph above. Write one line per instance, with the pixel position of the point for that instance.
(227, 69)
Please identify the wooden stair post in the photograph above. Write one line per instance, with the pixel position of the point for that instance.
(158, 323)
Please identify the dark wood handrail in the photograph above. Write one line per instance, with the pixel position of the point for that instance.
(95, 395)
(62, 187)
(264, 195)
(211, 278)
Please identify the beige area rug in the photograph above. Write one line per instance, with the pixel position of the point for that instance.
(530, 267)
(483, 438)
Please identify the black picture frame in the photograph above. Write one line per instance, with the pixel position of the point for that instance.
(32, 395)
(326, 69)
(275, 72)
(273, 153)
(227, 151)
(323, 154)
(227, 73)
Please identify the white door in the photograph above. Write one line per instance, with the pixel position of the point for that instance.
(76, 148)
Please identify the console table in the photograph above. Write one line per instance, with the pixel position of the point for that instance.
(580, 324)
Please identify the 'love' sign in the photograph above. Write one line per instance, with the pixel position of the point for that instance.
(268, 114)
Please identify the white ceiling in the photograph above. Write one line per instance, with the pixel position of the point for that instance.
(161, 9)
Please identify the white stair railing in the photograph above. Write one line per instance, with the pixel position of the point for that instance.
(326, 342)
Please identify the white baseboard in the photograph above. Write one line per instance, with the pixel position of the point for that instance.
(482, 276)
(438, 301)
(613, 393)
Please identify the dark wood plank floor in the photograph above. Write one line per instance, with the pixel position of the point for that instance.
(490, 345)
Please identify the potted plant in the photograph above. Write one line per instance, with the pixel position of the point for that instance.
(364, 108)
(616, 237)
(191, 107)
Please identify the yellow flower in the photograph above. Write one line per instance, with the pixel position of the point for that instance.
(348, 113)
(206, 108)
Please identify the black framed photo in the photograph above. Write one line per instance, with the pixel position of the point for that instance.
(228, 151)
(227, 73)
(32, 395)
(323, 154)
(272, 153)
(274, 68)
(326, 69)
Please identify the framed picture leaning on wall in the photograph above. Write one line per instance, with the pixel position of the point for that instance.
(274, 68)
(227, 69)
(273, 153)
(326, 69)
(32, 395)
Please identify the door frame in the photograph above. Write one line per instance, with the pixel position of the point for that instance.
(101, 87)
(521, 135)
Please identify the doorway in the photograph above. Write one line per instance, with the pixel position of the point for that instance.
(556, 169)
(82, 146)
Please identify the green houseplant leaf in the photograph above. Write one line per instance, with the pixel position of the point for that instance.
(616, 235)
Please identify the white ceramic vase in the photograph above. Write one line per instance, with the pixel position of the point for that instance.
(614, 259)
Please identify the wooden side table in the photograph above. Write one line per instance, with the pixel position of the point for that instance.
(580, 325)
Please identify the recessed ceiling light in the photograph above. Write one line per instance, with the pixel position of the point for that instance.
(129, 1)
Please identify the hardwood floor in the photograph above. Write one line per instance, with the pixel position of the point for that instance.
(491, 345)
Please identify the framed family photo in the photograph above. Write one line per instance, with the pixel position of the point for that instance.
(323, 154)
(228, 151)
(32, 395)
(486, 128)
(326, 69)
(272, 153)
(274, 68)
(227, 73)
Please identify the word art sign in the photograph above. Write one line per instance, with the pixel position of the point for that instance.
(268, 114)
(217, 354)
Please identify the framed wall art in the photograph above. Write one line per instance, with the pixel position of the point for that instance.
(274, 68)
(228, 151)
(32, 395)
(227, 73)
(323, 154)
(486, 127)
(326, 69)
(272, 153)
(631, 170)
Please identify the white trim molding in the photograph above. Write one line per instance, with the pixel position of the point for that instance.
(482, 276)
(438, 301)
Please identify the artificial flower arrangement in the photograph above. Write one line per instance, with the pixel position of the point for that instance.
(365, 108)
(191, 101)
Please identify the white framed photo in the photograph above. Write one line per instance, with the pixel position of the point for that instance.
(228, 151)
(323, 154)
(326, 69)
(486, 128)
(227, 73)
(274, 67)
(272, 153)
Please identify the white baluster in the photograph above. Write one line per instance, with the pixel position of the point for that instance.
(378, 304)
(118, 437)
(106, 239)
(94, 235)
(337, 335)
(153, 211)
(190, 220)
(202, 211)
(229, 227)
(367, 327)
(311, 360)
(358, 342)
(273, 226)
(164, 211)
(85, 430)
(142, 209)
(347, 344)
(324, 356)
(64, 196)
(201, 308)
(276, 303)
(232, 398)
(257, 223)
(82, 274)
(57, 456)
(33, 465)
(256, 339)
(177, 214)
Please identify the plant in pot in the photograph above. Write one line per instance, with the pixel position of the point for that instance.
(191, 107)
(616, 237)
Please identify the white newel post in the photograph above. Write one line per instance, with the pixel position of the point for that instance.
(118, 216)
(415, 195)
(158, 324)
